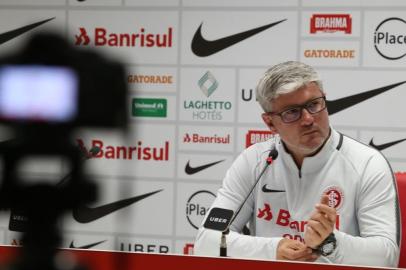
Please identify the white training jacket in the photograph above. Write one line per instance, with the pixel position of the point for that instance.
(357, 179)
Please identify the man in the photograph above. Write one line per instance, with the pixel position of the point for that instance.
(326, 198)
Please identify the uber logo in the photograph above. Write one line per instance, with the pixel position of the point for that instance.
(140, 247)
(246, 95)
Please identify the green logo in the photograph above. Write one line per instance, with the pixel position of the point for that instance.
(149, 107)
(208, 84)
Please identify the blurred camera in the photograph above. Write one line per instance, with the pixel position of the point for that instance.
(50, 84)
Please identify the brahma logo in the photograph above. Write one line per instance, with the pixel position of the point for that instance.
(256, 136)
(101, 37)
(197, 138)
(133, 152)
(330, 23)
(390, 38)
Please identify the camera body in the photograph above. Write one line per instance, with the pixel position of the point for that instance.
(51, 84)
(47, 90)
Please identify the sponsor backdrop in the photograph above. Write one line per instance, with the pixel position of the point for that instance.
(192, 67)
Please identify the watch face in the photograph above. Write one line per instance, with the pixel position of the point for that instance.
(328, 245)
(328, 248)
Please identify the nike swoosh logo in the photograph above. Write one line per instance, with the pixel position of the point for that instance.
(202, 47)
(380, 147)
(84, 214)
(335, 106)
(192, 170)
(86, 246)
(265, 189)
(7, 36)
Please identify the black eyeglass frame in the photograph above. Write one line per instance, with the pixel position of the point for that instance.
(300, 107)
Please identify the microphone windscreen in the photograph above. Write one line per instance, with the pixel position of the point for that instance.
(94, 151)
(273, 153)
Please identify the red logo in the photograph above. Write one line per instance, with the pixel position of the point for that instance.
(197, 138)
(256, 136)
(283, 219)
(330, 23)
(82, 38)
(102, 37)
(265, 212)
(132, 152)
(188, 249)
(17, 242)
(335, 196)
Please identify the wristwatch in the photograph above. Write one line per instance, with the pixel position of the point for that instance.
(327, 246)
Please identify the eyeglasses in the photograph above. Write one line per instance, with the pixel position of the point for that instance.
(295, 113)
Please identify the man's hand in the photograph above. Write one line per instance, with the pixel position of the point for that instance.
(289, 249)
(321, 223)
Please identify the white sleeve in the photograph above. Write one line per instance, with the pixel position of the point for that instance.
(237, 183)
(378, 221)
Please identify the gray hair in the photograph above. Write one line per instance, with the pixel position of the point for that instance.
(284, 78)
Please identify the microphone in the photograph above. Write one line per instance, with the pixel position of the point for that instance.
(18, 217)
(220, 219)
(91, 153)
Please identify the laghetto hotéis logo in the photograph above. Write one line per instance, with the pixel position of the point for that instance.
(208, 109)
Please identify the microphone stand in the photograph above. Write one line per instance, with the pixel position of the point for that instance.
(223, 243)
(273, 154)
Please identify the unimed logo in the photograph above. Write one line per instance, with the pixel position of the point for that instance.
(102, 37)
(149, 107)
(256, 136)
(138, 151)
(330, 23)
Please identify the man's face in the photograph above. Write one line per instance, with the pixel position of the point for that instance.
(304, 136)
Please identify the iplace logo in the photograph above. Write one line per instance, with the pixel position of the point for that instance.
(197, 206)
(390, 38)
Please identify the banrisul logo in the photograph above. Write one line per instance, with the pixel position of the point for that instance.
(139, 37)
(135, 151)
(390, 38)
(209, 108)
(149, 107)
